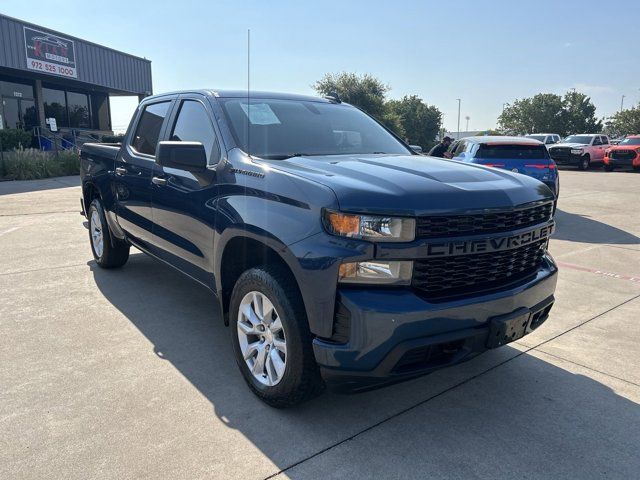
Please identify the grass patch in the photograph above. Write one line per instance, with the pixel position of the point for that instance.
(32, 164)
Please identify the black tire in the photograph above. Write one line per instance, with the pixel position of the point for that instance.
(115, 253)
(608, 168)
(585, 162)
(301, 379)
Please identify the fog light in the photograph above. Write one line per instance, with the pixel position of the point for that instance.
(376, 272)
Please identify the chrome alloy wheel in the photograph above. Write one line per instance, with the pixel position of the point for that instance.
(97, 239)
(262, 339)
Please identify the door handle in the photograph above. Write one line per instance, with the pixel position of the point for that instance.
(121, 171)
(159, 181)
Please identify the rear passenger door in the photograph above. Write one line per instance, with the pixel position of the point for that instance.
(598, 149)
(184, 202)
(133, 169)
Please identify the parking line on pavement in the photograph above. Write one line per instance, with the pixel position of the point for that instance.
(602, 273)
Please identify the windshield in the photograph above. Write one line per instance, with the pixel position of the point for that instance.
(281, 129)
(630, 141)
(512, 152)
(537, 137)
(584, 139)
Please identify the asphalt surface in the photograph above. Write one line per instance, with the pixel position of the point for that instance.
(130, 374)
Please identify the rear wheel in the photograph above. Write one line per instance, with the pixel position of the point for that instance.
(271, 338)
(108, 252)
(585, 162)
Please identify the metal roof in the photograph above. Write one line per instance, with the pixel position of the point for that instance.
(504, 139)
(97, 65)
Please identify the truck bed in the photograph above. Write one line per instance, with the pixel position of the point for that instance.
(102, 151)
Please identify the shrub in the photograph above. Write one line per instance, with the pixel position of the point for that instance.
(13, 138)
(31, 164)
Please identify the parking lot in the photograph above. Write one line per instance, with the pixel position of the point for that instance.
(129, 373)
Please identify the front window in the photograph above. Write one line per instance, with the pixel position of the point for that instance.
(630, 141)
(278, 129)
(583, 139)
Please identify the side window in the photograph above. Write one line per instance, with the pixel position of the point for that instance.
(462, 146)
(193, 125)
(605, 140)
(549, 140)
(145, 140)
(596, 141)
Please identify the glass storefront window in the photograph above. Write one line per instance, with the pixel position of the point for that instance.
(55, 105)
(14, 89)
(78, 107)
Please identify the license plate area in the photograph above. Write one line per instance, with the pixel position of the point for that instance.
(507, 328)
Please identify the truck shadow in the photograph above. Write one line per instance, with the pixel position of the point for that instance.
(26, 186)
(526, 417)
(574, 227)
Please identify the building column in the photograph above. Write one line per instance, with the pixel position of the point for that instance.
(40, 103)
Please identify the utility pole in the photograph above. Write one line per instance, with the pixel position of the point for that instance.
(622, 103)
(459, 103)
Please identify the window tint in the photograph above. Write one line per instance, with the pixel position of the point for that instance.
(549, 140)
(462, 146)
(78, 105)
(147, 133)
(512, 152)
(193, 125)
(605, 140)
(597, 141)
(55, 106)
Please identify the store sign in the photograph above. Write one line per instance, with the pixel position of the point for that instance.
(50, 53)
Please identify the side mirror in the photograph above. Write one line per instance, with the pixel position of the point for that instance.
(416, 148)
(189, 156)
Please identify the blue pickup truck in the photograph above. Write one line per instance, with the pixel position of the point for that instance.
(338, 256)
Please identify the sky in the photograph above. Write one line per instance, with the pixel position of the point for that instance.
(485, 53)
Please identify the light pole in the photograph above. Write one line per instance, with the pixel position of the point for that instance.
(622, 103)
(459, 103)
(467, 118)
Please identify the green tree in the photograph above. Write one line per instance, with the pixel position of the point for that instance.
(580, 114)
(420, 122)
(625, 122)
(547, 112)
(543, 112)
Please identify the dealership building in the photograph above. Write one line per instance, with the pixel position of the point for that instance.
(54, 82)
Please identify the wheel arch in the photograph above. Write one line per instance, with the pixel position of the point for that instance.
(240, 251)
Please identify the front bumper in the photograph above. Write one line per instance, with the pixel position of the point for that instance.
(394, 335)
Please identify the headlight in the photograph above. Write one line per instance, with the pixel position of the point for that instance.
(376, 272)
(368, 227)
(576, 150)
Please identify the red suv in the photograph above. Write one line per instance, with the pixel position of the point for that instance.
(625, 154)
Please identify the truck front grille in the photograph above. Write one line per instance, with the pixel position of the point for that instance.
(496, 222)
(445, 277)
(560, 153)
(623, 154)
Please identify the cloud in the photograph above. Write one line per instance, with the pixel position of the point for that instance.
(567, 44)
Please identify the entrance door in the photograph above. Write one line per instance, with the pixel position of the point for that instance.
(10, 113)
(18, 113)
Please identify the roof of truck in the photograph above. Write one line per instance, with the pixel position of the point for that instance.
(499, 139)
(243, 94)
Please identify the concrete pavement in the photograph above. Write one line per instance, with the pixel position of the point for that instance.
(129, 373)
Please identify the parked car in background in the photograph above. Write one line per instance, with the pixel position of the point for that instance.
(518, 154)
(580, 151)
(546, 138)
(623, 155)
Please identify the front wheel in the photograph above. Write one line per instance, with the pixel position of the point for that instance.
(585, 161)
(271, 338)
(108, 252)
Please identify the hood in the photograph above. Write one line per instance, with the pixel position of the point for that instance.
(413, 184)
(571, 145)
(623, 147)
